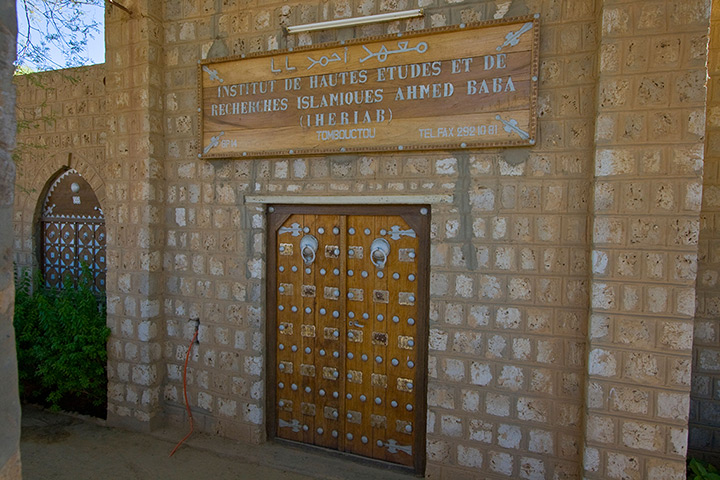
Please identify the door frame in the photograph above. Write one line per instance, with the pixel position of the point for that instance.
(276, 215)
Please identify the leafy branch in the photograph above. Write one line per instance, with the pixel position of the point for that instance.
(60, 24)
(699, 470)
(61, 335)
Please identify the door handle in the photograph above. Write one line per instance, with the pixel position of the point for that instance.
(379, 252)
(308, 249)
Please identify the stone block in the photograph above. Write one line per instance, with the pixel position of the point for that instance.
(511, 377)
(541, 441)
(470, 400)
(604, 296)
(521, 348)
(469, 457)
(677, 335)
(481, 431)
(446, 166)
(252, 413)
(496, 347)
(664, 470)
(451, 426)
(541, 381)
(643, 436)
(453, 369)
(490, 287)
(438, 340)
(533, 409)
(600, 429)
(467, 342)
(591, 459)
(501, 463)
(614, 93)
(497, 405)
(678, 441)
(532, 468)
(441, 397)
(227, 407)
(630, 400)
(254, 365)
(602, 362)
(508, 318)
(464, 286)
(437, 450)
(144, 374)
(623, 466)
(642, 367)
(509, 436)
(205, 401)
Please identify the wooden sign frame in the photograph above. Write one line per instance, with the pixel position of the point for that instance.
(448, 88)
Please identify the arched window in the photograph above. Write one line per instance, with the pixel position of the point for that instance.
(72, 227)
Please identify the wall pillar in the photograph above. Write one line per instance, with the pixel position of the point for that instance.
(136, 232)
(648, 188)
(9, 400)
(705, 405)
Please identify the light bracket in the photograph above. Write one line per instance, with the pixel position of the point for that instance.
(352, 22)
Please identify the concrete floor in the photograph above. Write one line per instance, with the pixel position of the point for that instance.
(60, 446)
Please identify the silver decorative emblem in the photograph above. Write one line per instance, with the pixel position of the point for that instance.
(214, 142)
(213, 74)
(394, 447)
(512, 126)
(294, 425)
(294, 228)
(395, 232)
(513, 38)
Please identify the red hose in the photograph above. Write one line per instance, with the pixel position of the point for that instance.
(187, 404)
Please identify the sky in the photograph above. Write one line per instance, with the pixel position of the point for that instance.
(96, 45)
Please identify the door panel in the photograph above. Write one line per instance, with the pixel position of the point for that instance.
(347, 316)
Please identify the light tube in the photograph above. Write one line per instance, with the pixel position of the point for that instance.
(351, 22)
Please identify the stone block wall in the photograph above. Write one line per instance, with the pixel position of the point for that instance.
(135, 220)
(648, 169)
(509, 253)
(705, 400)
(562, 276)
(62, 125)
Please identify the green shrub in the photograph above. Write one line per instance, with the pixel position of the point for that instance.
(699, 470)
(61, 341)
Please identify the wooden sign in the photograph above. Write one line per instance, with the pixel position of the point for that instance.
(446, 88)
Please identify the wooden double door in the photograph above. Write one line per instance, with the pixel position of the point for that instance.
(347, 329)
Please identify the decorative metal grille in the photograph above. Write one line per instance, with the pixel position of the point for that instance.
(73, 232)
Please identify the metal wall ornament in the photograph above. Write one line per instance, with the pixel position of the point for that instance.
(72, 227)
(308, 249)
(379, 252)
(365, 313)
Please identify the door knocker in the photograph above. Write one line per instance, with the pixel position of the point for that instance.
(308, 248)
(379, 252)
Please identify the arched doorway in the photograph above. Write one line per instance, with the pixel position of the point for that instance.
(72, 231)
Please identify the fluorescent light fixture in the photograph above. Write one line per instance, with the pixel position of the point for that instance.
(351, 22)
